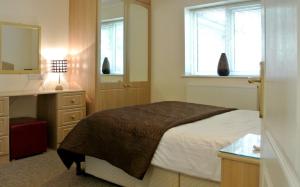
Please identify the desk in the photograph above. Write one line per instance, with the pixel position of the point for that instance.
(62, 110)
(240, 163)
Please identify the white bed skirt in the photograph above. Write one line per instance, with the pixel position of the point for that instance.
(155, 176)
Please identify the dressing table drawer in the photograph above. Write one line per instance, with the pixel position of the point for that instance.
(4, 106)
(71, 115)
(63, 131)
(4, 145)
(4, 126)
(71, 100)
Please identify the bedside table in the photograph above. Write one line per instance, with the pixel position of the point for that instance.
(240, 163)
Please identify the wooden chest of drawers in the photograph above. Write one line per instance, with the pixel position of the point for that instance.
(4, 132)
(62, 111)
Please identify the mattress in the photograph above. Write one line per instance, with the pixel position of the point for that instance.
(192, 149)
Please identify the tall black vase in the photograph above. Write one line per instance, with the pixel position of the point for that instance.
(105, 66)
(223, 67)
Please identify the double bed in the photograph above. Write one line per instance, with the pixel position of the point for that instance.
(186, 155)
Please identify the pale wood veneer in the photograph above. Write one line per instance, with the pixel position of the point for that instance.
(84, 23)
(4, 129)
(83, 47)
(239, 171)
(62, 111)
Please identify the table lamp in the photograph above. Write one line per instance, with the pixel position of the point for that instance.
(59, 66)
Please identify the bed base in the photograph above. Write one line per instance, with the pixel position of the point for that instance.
(154, 177)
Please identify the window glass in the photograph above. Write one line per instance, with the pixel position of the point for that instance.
(232, 29)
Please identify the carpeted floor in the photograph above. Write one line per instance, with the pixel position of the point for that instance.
(44, 170)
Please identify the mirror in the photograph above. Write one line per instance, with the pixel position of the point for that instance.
(111, 40)
(137, 43)
(19, 48)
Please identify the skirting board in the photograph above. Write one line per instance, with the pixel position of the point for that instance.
(154, 177)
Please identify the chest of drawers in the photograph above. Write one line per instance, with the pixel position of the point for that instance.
(62, 111)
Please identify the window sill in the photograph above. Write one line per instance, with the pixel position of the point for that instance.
(111, 74)
(221, 77)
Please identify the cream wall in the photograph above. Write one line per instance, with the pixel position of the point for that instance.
(53, 17)
(168, 53)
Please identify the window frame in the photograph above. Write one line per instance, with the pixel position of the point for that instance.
(191, 64)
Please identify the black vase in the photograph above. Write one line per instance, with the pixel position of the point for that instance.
(105, 66)
(223, 67)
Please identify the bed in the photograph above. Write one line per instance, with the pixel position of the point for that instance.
(187, 154)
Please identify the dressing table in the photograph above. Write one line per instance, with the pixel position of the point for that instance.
(62, 109)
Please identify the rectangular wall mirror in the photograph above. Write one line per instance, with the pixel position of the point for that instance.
(112, 40)
(19, 48)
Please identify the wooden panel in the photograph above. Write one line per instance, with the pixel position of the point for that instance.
(137, 96)
(4, 121)
(70, 100)
(4, 145)
(4, 106)
(109, 99)
(83, 47)
(70, 116)
(115, 98)
(47, 110)
(237, 174)
(63, 131)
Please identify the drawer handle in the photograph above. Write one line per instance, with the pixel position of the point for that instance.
(73, 101)
(73, 117)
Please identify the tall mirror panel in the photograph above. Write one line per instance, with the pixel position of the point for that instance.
(111, 44)
(137, 43)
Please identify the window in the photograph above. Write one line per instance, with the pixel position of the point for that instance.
(112, 37)
(234, 29)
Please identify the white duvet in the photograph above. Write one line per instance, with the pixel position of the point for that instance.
(192, 148)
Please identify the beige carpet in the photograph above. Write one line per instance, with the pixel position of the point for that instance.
(44, 170)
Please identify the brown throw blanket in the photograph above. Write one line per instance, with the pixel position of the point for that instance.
(128, 137)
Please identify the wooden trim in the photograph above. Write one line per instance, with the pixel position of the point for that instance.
(239, 158)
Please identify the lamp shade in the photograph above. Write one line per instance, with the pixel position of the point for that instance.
(59, 66)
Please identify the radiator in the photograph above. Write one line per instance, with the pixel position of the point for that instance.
(241, 97)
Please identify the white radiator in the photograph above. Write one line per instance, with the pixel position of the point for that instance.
(241, 97)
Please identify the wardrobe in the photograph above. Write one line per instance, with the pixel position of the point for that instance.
(117, 31)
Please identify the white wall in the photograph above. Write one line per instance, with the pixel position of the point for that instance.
(53, 17)
(168, 53)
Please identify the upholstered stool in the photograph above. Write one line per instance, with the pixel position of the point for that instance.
(28, 136)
